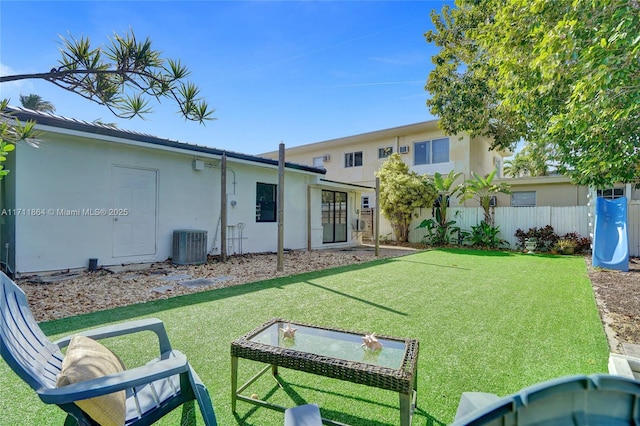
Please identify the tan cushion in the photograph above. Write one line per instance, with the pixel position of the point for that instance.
(87, 359)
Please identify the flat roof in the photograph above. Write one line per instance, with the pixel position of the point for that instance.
(47, 119)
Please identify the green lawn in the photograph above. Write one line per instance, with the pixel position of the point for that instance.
(486, 321)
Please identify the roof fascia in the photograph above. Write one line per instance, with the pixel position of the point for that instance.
(62, 125)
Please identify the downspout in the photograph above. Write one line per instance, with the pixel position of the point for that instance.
(223, 208)
(308, 217)
(280, 265)
(376, 219)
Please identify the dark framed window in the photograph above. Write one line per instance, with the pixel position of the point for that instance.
(266, 207)
(431, 152)
(334, 216)
(385, 152)
(611, 193)
(353, 159)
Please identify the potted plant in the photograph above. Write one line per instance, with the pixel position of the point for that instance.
(566, 246)
(530, 244)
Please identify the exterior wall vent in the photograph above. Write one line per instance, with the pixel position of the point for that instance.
(189, 247)
(326, 158)
(404, 149)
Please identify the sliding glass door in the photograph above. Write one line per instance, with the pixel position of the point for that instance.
(334, 216)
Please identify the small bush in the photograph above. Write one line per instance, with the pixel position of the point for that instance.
(582, 244)
(546, 237)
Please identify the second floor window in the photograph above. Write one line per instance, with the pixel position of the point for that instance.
(431, 152)
(353, 159)
(385, 152)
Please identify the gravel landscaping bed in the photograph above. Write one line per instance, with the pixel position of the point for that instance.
(617, 293)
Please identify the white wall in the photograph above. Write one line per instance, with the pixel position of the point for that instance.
(71, 173)
(510, 219)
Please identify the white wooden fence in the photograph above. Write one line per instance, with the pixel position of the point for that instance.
(510, 219)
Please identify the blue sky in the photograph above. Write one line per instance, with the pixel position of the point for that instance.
(275, 71)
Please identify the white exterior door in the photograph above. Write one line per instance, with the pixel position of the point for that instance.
(135, 215)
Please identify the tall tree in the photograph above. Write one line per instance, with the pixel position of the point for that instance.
(36, 103)
(123, 76)
(535, 159)
(402, 192)
(564, 73)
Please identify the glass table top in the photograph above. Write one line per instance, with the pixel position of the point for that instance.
(332, 343)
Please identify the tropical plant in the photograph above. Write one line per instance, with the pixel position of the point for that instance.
(535, 159)
(486, 235)
(131, 74)
(482, 189)
(565, 246)
(581, 244)
(402, 192)
(440, 229)
(36, 103)
(124, 77)
(545, 237)
(12, 132)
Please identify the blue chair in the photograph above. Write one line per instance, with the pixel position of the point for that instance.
(599, 399)
(152, 390)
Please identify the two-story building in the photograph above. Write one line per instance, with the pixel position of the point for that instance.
(426, 149)
(423, 146)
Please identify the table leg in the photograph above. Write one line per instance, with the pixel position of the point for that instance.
(405, 409)
(234, 382)
(274, 370)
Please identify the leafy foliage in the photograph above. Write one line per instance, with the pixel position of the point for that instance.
(124, 76)
(438, 233)
(440, 229)
(535, 159)
(482, 189)
(486, 235)
(11, 132)
(36, 103)
(560, 73)
(402, 192)
(547, 239)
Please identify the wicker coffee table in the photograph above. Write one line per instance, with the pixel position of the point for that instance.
(332, 353)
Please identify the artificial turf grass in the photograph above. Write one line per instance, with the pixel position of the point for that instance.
(486, 321)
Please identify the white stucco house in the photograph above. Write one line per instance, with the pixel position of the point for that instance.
(92, 191)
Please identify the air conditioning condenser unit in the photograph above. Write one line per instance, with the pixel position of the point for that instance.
(189, 247)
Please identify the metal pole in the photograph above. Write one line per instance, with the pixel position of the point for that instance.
(308, 217)
(223, 208)
(280, 266)
(376, 218)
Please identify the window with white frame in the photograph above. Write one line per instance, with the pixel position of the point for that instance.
(611, 193)
(318, 162)
(385, 152)
(365, 202)
(431, 152)
(353, 159)
(523, 199)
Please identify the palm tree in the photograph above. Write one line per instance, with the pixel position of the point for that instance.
(482, 189)
(36, 103)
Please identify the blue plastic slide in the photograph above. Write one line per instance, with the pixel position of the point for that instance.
(610, 242)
